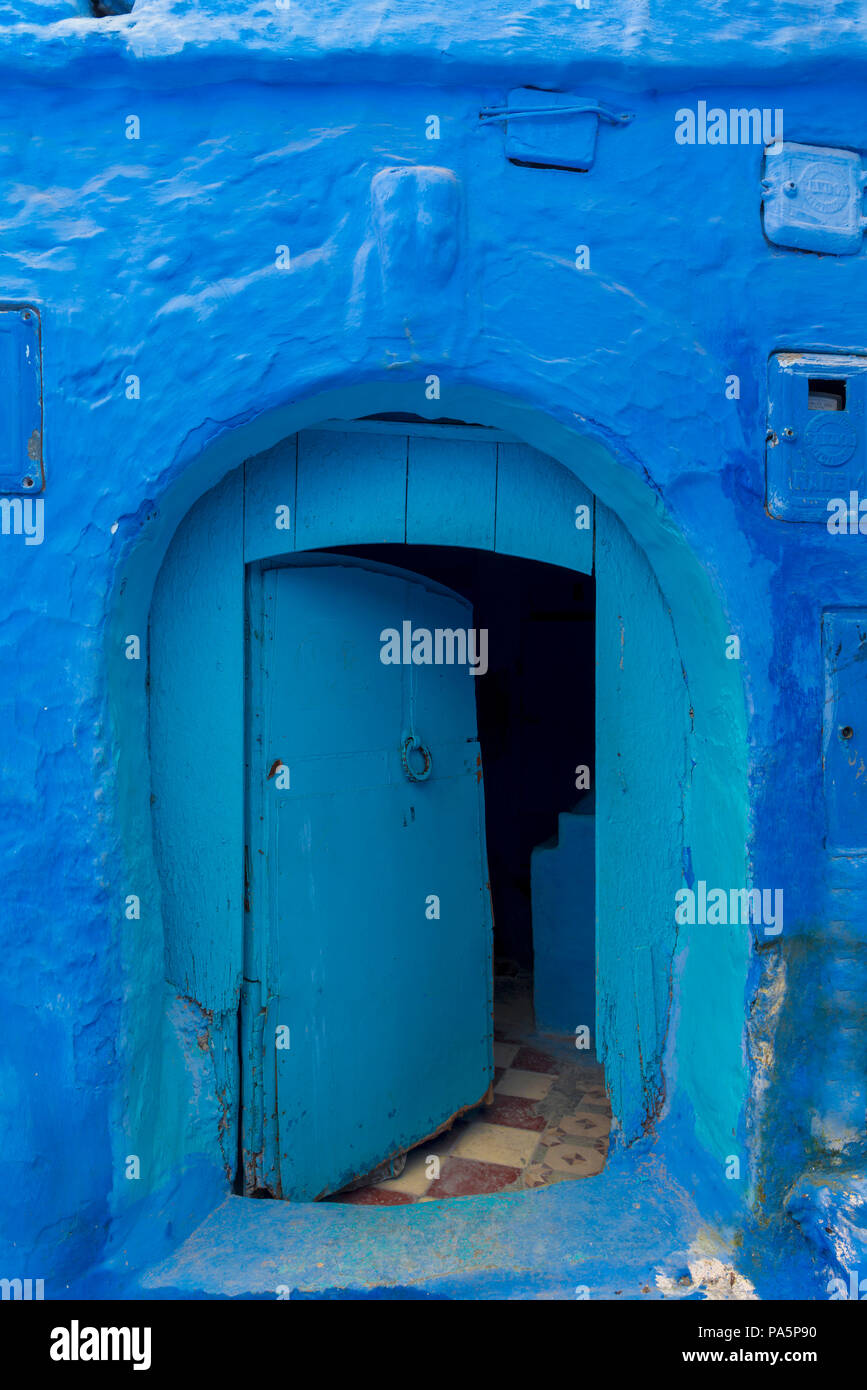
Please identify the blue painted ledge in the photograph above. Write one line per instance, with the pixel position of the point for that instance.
(538, 1245)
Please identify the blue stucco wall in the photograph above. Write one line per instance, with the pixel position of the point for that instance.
(156, 258)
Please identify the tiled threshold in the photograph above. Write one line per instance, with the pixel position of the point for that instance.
(549, 1121)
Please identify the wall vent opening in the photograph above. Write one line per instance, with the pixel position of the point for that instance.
(826, 394)
(103, 9)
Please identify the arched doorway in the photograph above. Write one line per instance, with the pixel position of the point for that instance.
(394, 482)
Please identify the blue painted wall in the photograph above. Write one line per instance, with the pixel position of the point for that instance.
(156, 258)
(564, 925)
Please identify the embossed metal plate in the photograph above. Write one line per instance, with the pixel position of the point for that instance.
(813, 198)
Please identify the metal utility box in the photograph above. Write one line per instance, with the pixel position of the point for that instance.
(815, 435)
(20, 400)
(813, 198)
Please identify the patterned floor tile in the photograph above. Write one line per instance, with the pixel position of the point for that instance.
(584, 1124)
(373, 1197)
(496, 1144)
(463, 1177)
(552, 1135)
(575, 1159)
(533, 1085)
(594, 1108)
(516, 1111)
(596, 1095)
(444, 1142)
(414, 1180)
(530, 1059)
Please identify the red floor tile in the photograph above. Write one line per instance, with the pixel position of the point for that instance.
(514, 1111)
(466, 1177)
(528, 1059)
(373, 1197)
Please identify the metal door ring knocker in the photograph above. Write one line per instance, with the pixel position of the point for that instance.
(411, 744)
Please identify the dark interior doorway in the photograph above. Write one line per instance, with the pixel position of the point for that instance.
(535, 710)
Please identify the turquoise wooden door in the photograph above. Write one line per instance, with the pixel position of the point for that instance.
(366, 1018)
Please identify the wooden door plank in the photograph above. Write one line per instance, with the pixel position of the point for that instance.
(451, 493)
(351, 489)
(642, 725)
(269, 501)
(197, 737)
(538, 503)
